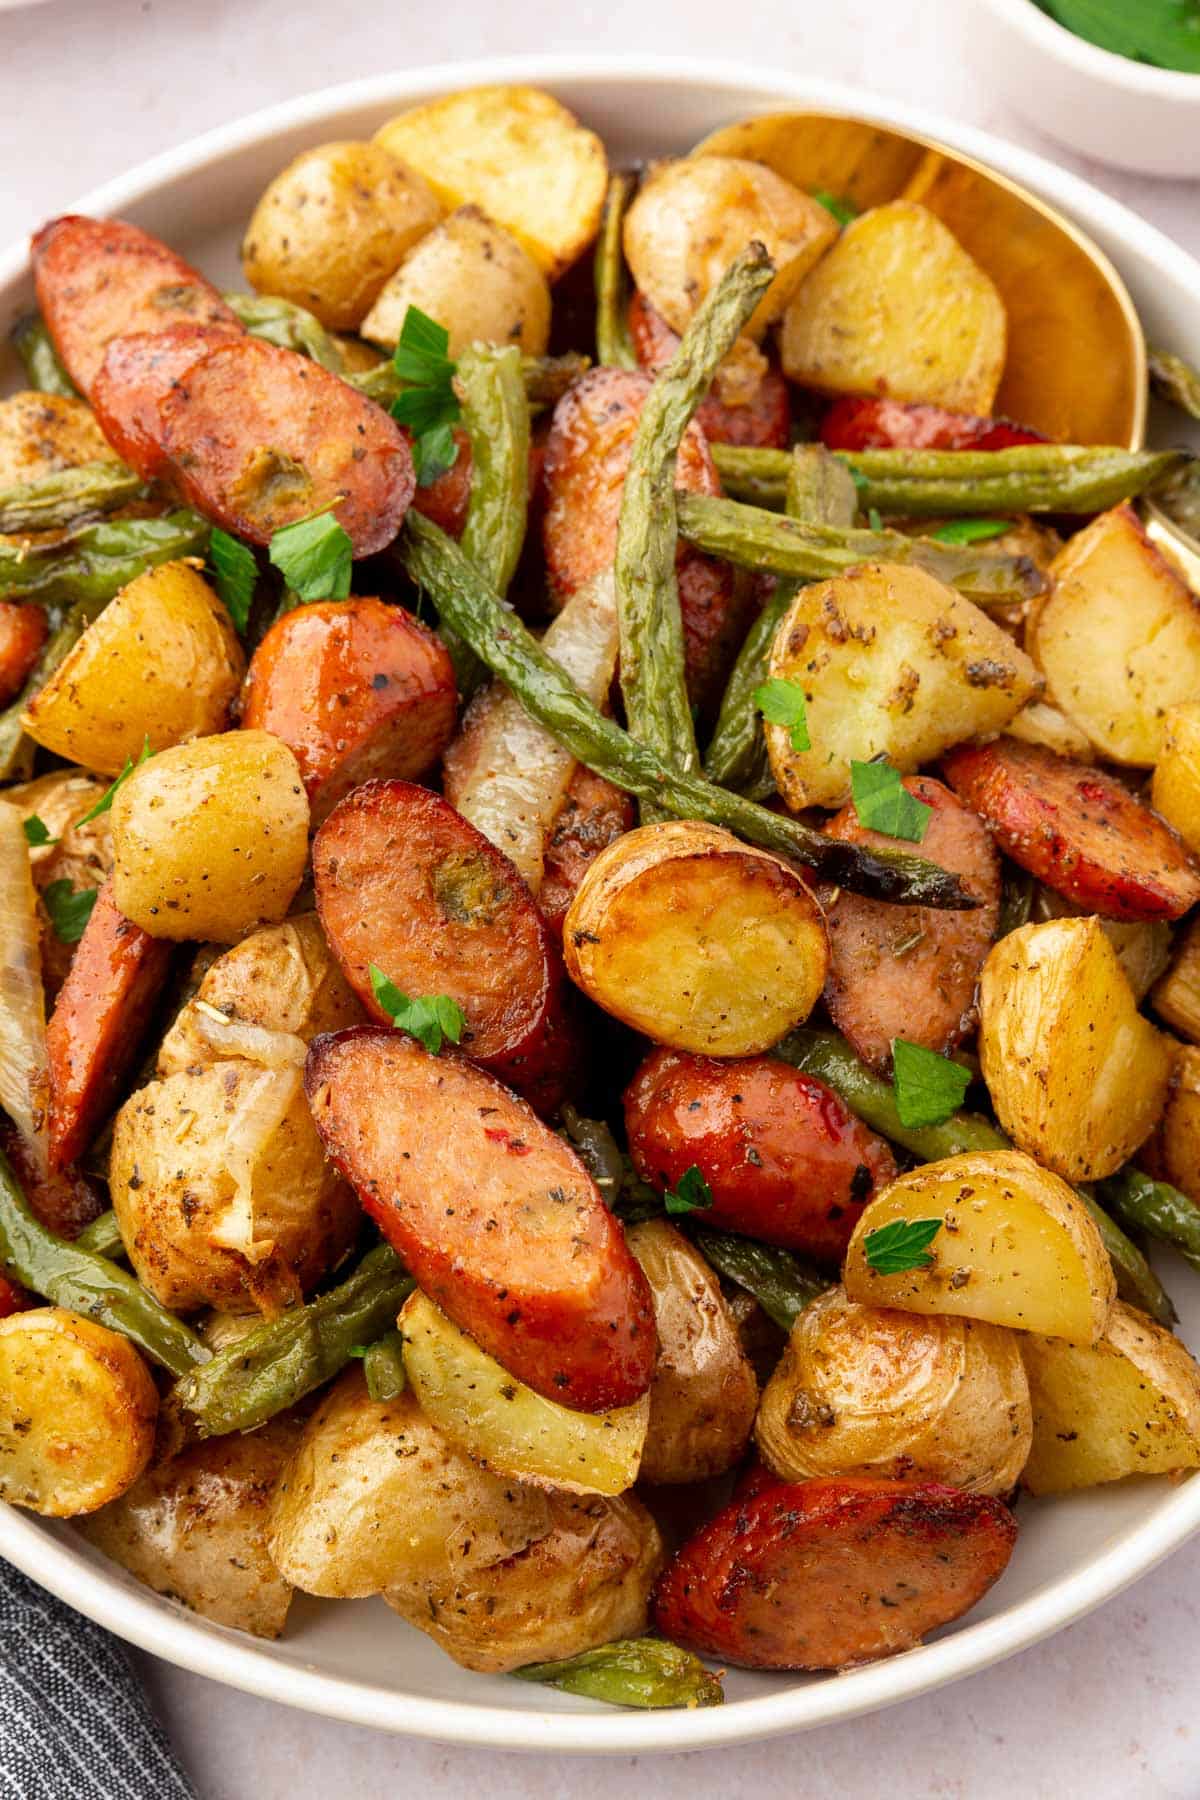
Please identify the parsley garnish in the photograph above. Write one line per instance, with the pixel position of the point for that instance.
(109, 795)
(874, 519)
(234, 572)
(37, 832)
(782, 703)
(928, 1087)
(883, 803)
(842, 209)
(971, 531)
(314, 557)
(900, 1246)
(69, 911)
(429, 1018)
(691, 1193)
(428, 406)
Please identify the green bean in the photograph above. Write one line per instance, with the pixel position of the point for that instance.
(831, 1060)
(102, 1237)
(496, 417)
(291, 327)
(546, 379)
(753, 538)
(383, 1366)
(97, 561)
(644, 1672)
(819, 488)
(1016, 900)
(1143, 1204)
(598, 1151)
(61, 500)
(1175, 380)
(657, 708)
(1070, 478)
(549, 695)
(43, 365)
(614, 346)
(16, 750)
(283, 1359)
(782, 1283)
(89, 1284)
(1180, 499)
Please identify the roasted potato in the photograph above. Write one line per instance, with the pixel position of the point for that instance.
(210, 839)
(1175, 789)
(222, 1191)
(43, 433)
(333, 225)
(195, 1528)
(892, 662)
(475, 279)
(1040, 723)
(1127, 1405)
(80, 854)
(693, 217)
(1077, 1076)
(699, 941)
(704, 1393)
(1175, 997)
(870, 1390)
(1016, 1247)
(1117, 638)
(897, 307)
(500, 1423)
(1143, 947)
(517, 154)
(161, 663)
(77, 1412)
(1176, 1144)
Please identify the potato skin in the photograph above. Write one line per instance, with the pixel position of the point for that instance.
(194, 1528)
(40, 434)
(162, 662)
(704, 1393)
(77, 1412)
(827, 1574)
(699, 941)
(785, 1159)
(475, 279)
(331, 227)
(210, 839)
(868, 1390)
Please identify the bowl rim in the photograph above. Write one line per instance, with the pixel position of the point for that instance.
(1054, 39)
(166, 1630)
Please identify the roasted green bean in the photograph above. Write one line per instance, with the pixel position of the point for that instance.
(102, 1237)
(496, 417)
(97, 561)
(288, 325)
(43, 366)
(782, 1283)
(1173, 379)
(614, 346)
(383, 1366)
(643, 1672)
(58, 501)
(1143, 1204)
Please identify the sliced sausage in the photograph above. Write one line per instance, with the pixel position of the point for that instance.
(99, 279)
(406, 883)
(137, 374)
(825, 1574)
(783, 1157)
(492, 1212)
(258, 438)
(103, 1008)
(23, 632)
(868, 424)
(592, 816)
(908, 971)
(1076, 829)
(13, 1298)
(354, 688)
(64, 1200)
(764, 421)
(445, 500)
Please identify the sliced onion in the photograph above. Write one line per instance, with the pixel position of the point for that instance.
(506, 773)
(239, 1037)
(24, 1072)
(258, 1105)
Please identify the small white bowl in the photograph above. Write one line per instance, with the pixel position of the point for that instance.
(1107, 106)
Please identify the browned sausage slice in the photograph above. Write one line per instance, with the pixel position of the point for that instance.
(593, 815)
(492, 1212)
(135, 378)
(764, 419)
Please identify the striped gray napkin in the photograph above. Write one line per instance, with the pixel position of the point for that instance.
(74, 1722)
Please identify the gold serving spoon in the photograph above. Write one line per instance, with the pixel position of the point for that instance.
(1076, 367)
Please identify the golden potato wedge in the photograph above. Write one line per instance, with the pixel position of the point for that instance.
(691, 218)
(161, 663)
(77, 1412)
(699, 941)
(1040, 723)
(704, 1393)
(1077, 1076)
(40, 434)
(1176, 1143)
(332, 227)
(500, 1423)
(1175, 996)
(518, 154)
(897, 307)
(1128, 1405)
(870, 1390)
(1117, 638)
(222, 1191)
(892, 662)
(195, 1528)
(210, 840)
(475, 279)
(1143, 946)
(1175, 790)
(1017, 1247)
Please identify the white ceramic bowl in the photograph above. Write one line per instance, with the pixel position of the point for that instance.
(1107, 106)
(356, 1660)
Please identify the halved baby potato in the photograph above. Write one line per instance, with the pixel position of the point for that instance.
(898, 308)
(1175, 996)
(1176, 1143)
(1077, 1075)
(475, 279)
(499, 1422)
(699, 941)
(1127, 1405)
(893, 662)
(1015, 1247)
(1175, 791)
